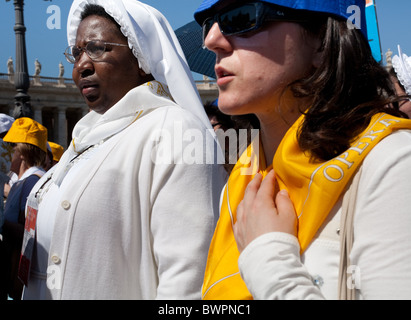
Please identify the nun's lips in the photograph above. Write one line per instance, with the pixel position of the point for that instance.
(88, 88)
(87, 91)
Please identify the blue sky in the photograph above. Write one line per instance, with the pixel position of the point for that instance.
(47, 45)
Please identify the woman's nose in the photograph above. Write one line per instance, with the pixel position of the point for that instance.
(215, 40)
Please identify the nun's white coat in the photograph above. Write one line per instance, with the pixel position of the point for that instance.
(118, 218)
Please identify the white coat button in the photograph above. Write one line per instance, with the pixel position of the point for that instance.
(318, 281)
(55, 259)
(65, 205)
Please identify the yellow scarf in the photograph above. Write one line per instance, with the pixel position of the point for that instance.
(314, 189)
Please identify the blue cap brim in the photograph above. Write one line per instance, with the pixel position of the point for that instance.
(343, 9)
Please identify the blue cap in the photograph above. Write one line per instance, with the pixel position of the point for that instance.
(342, 9)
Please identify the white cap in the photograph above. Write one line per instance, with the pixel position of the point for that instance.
(5, 122)
(402, 66)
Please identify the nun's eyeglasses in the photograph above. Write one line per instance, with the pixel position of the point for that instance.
(248, 17)
(94, 50)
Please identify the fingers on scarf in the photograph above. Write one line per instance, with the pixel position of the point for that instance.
(267, 189)
(284, 203)
(250, 193)
(252, 189)
(286, 209)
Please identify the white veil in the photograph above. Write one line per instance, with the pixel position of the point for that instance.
(154, 44)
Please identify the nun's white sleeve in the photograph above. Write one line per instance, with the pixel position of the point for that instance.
(185, 201)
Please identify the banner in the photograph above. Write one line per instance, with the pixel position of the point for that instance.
(372, 29)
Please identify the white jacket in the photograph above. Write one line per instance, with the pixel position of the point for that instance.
(127, 227)
(380, 268)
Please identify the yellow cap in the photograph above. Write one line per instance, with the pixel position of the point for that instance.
(57, 150)
(26, 130)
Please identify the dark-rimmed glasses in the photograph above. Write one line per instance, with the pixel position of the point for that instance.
(94, 50)
(247, 17)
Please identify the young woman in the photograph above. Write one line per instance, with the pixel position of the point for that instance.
(326, 109)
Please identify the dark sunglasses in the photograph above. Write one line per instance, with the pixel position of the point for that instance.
(247, 17)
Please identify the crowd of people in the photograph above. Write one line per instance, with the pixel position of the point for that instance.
(25, 159)
(316, 206)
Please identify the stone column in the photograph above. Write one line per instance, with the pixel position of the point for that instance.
(62, 127)
(37, 114)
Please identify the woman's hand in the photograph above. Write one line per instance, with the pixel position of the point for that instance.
(258, 213)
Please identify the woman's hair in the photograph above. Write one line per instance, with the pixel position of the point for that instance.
(343, 93)
(32, 154)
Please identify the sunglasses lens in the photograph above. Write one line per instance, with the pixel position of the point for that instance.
(239, 20)
(235, 21)
(207, 27)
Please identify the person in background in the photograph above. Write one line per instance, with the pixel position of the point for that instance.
(29, 139)
(401, 77)
(54, 153)
(218, 119)
(6, 151)
(121, 216)
(57, 151)
(328, 113)
(225, 129)
(7, 177)
(49, 159)
(228, 129)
